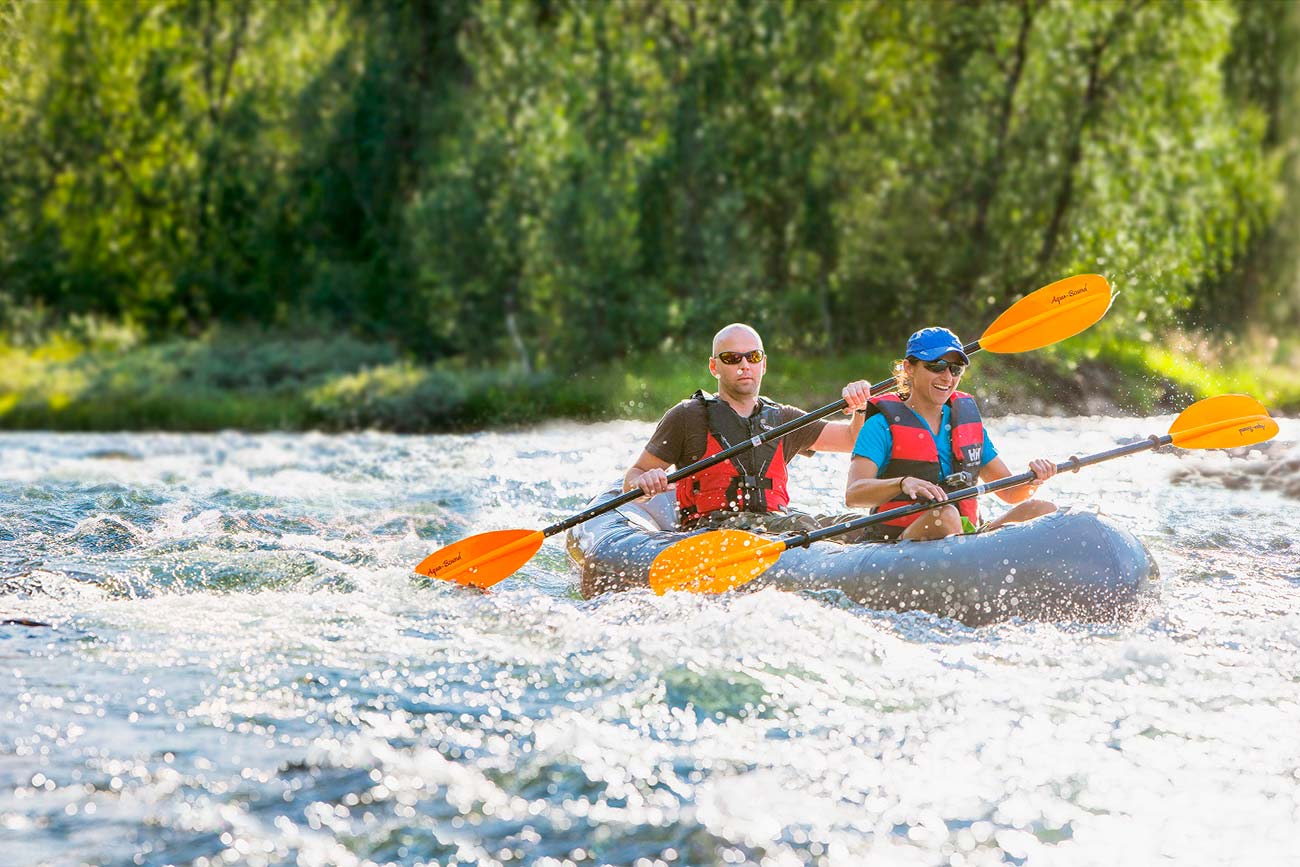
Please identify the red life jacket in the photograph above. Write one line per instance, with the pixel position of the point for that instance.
(913, 452)
(752, 481)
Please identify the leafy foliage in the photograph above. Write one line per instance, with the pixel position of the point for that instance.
(554, 183)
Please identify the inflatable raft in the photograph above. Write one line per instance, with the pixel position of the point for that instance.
(1071, 565)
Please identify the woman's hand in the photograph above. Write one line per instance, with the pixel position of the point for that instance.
(912, 488)
(1042, 468)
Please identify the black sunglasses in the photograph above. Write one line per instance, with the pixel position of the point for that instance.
(955, 367)
(754, 356)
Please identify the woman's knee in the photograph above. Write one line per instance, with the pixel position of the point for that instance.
(935, 524)
(1030, 509)
(1038, 508)
(945, 516)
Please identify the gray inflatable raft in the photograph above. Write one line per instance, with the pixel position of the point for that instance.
(1071, 565)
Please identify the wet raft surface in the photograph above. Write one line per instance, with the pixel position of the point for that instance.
(1072, 565)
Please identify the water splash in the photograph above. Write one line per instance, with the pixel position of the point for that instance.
(239, 667)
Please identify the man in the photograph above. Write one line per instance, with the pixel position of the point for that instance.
(927, 440)
(749, 490)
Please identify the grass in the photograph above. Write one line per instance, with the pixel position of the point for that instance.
(255, 381)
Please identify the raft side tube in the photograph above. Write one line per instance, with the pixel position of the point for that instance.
(1070, 565)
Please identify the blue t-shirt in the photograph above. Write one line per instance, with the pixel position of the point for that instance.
(875, 442)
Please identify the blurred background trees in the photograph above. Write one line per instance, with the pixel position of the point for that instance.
(549, 182)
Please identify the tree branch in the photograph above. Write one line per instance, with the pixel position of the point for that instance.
(987, 189)
(1094, 96)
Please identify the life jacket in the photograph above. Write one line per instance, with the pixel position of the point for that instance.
(752, 481)
(914, 454)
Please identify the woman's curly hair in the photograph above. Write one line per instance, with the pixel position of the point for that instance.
(904, 381)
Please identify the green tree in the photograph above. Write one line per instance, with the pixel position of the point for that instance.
(552, 182)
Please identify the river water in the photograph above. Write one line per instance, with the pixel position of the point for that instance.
(238, 667)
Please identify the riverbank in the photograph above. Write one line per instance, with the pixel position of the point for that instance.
(261, 382)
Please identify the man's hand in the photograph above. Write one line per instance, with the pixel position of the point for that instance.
(653, 482)
(856, 394)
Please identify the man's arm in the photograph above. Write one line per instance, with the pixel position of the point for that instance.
(839, 436)
(667, 441)
(648, 474)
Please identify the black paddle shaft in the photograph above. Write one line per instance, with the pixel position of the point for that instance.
(882, 387)
(803, 540)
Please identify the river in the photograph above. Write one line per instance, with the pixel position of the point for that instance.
(215, 652)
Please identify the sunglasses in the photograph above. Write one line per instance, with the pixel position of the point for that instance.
(754, 356)
(954, 367)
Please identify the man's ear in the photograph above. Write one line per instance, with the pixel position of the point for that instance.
(713, 367)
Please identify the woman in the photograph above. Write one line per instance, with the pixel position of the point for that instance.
(928, 440)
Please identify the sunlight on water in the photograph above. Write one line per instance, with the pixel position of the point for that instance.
(237, 666)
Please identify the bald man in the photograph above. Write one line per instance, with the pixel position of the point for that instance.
(748, 491)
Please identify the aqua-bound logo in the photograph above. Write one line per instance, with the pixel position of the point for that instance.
(1057, 299)
(1259, 425)
(445, 563)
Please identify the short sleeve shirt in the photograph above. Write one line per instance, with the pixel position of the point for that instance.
(682, 435)
(875, 442)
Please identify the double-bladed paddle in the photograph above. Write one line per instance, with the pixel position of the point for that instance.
(722, 560)
(1043, 317)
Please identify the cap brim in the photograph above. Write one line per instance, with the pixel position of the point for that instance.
(936, 354)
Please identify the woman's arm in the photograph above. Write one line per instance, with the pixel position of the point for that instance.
(997, 469)
(864, 490)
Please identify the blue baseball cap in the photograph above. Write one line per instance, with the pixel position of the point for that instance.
(931, 344)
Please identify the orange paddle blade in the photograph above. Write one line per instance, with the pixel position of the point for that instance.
(483, 560)
(1048, 315)
(713, 562)
(1223, 422)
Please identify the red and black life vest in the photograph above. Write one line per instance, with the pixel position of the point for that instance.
(752, 481)
(913, 452)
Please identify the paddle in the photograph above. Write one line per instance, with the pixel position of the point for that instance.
(1043, 317)
(724, 559)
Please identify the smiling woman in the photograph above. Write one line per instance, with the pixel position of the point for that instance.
(928, 440)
